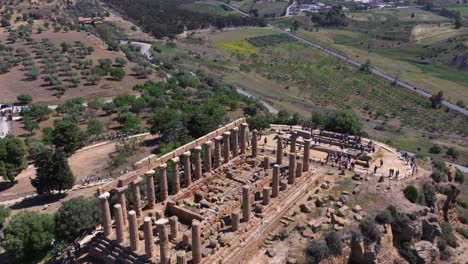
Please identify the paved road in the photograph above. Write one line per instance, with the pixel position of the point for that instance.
(357, 64)
(268, 106)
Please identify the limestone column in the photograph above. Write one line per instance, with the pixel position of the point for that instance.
(266, 163)
(227, 146)
(122, 202)
(293, 142)
(292, 168)
(279, 150)
(175, 175)
(149, 242)
(119, 224)
(150, 194)
(174, 226)
(235, 221)
(198, 163)
(266, 195)
(181, 257)
(136, 196)
(196, 242)
(235, 142)
(133, 231)
(275, 181)
(163, 187)
(306, 159)
(245, 203)
(217, 151)
(164, 250)
(298, 169)
(187, 169)
(207, 146)
(254, 143)
(243, 138)
(106, 215)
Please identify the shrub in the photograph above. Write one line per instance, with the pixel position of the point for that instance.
(447, 234)
(429, 192)
(459, 176)
(438, 176)
(369, 229)
(24, 98)
(316, 251)
(76, 216)
(29, 235)
(463, 231)
(334, 243)
(392, 209)
(4, 213)
(435, 149)
(411, 193)
(384, 217)
(439, 165)
(452, 152)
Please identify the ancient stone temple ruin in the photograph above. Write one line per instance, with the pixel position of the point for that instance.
(215, 199)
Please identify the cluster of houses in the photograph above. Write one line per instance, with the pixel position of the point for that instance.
(296, 9)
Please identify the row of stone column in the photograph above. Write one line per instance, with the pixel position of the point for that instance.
(220, 156)
(121, 224)
(306, 157)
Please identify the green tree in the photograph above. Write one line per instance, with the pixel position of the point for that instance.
(121, 61)
(12, 157)
(436, 100)
(128, 121)
(52, 172)
(94, 128)
(29, 235)
(76, 216)
(93, 79)
(117, 73)
(343, 121)
(38, 112)
(67, 135)
(411, 193)
(24, 98)
(259, 122)
(334, 243)
(452, 152)
(30, 125)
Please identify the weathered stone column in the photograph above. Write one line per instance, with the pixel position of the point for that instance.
(164, 250)
(227, 146)
(175, 175)
(292, 168)
(133, 231)
(217, 151)
(181, 257)
(163, 187)
(207, 146)
(174, 225)
(254, 143)
(187, 169)
(266, 163)
(123, 202)
(279, 150)
(298, 169)
(196, 242)
(245, 203)
(136, 196)
(306, 159)
(293, 142)
(243, 138)
(235, 142)
(150, 194)
(198, 163)
(266, 195)
(149, 242)
(119, 223)
(275, 181)
(106, 215)
(234, 221)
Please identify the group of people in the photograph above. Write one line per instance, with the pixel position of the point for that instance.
(88, 180)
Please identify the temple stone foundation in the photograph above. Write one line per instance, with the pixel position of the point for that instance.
(224, 186)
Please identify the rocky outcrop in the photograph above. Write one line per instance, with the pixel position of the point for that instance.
(430, 228)
(380, 251)
(451, 191)
(426, 252)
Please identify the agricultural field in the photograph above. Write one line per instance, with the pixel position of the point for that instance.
(298, 78)
(403, 15)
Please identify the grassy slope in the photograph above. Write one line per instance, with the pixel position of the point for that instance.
(214, 8)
